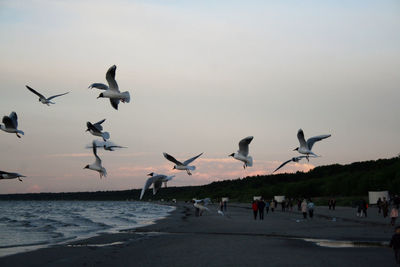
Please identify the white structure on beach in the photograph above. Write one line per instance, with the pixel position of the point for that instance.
(279, 199)
(375, 195)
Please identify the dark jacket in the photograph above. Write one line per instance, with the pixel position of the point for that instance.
(395, 241)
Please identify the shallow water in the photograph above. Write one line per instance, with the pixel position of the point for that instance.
(28, 225)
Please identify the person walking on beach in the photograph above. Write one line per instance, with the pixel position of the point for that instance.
(266, 206)
(379, 205)
(364, 207)
(272, 205)
(385, 207)
(333, 203)
(221, 205)
(225, 204)
(330, 204)
(304, 208)
(310, 207)
(283, 204)
(254, 206)
(394, 213)
(395, 244)
(261, 206)
(299, 204)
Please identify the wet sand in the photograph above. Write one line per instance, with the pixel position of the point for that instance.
(235, 239)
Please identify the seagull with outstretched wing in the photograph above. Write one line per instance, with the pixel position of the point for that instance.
(305, 147)
(96, 166)
(243, 153)
(156, 180)
(10, 175)
(11, 124)
(112, 90)
(182, 165)
(42, 98)
(294, 159)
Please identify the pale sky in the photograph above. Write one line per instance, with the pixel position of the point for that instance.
(202, 75)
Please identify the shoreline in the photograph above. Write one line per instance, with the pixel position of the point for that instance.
(232, 240)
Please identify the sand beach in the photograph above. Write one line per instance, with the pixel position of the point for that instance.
(331, 238)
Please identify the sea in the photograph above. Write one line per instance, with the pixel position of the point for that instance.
(30, 225)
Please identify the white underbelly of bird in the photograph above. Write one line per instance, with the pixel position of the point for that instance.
(185, 168)
(124, 97)
(248, 161)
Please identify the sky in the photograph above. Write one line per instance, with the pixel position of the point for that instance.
(202, 75)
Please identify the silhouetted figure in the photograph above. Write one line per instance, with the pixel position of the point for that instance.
(379, 204)
(304, 208)
(299, 204)
(225, 204)
(272, 205)
(395, 244)
(310, 207)
(261, 206)
(283, 204)
(266, 206)
(385, 207)
(333, 204)
(254, 206)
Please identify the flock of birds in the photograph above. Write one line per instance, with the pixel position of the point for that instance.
(112, 92)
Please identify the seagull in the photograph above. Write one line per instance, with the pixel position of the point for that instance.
(156, 180)
(243, 152)
(43, 99)
(107, 145)
(305, 147)
(294, 159)
(10, 175)
(96, 129)
(197, 204)
(112, 91)
(182, 166)
(11, 124)
(96, 166)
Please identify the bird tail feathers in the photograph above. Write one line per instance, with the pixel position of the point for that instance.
(191, 168)
(127, 97)
(250, 161)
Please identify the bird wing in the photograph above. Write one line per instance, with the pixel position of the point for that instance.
(35, 92)
(157, 185)
(110, 77)
(244, 145)
(146, 186)
(114, 103)
(54, 96)
(191, 159)
(8, 122)
(312, 140)
(14, 119)
(300, 136)
(98, 160)
(100, 86)
(283, 164)
(98, 125)
(171, 158)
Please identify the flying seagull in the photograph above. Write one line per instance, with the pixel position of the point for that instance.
(10, 175)
(96, 166)
(112, 91)
(156, 180)
(11, 124)
(107, 145)
(305, 147)
(96, 129)
(197, 204)
(243, 152)
(42, 98)
(294, 159)
(182, 166)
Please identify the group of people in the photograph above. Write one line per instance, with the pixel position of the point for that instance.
(383, 205)
(258, 206)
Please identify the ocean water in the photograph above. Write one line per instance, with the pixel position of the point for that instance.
(28, 225)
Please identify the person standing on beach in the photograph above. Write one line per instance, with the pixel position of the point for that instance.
(254, 206)
(225, 203)
(330, 203)
(221, 205)
(304, 208)
(395, 244)
(394, 213)
(283, 203)
(261, 206)
(333, 203)
(310, 207)
(299, 204)
(364, 207)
